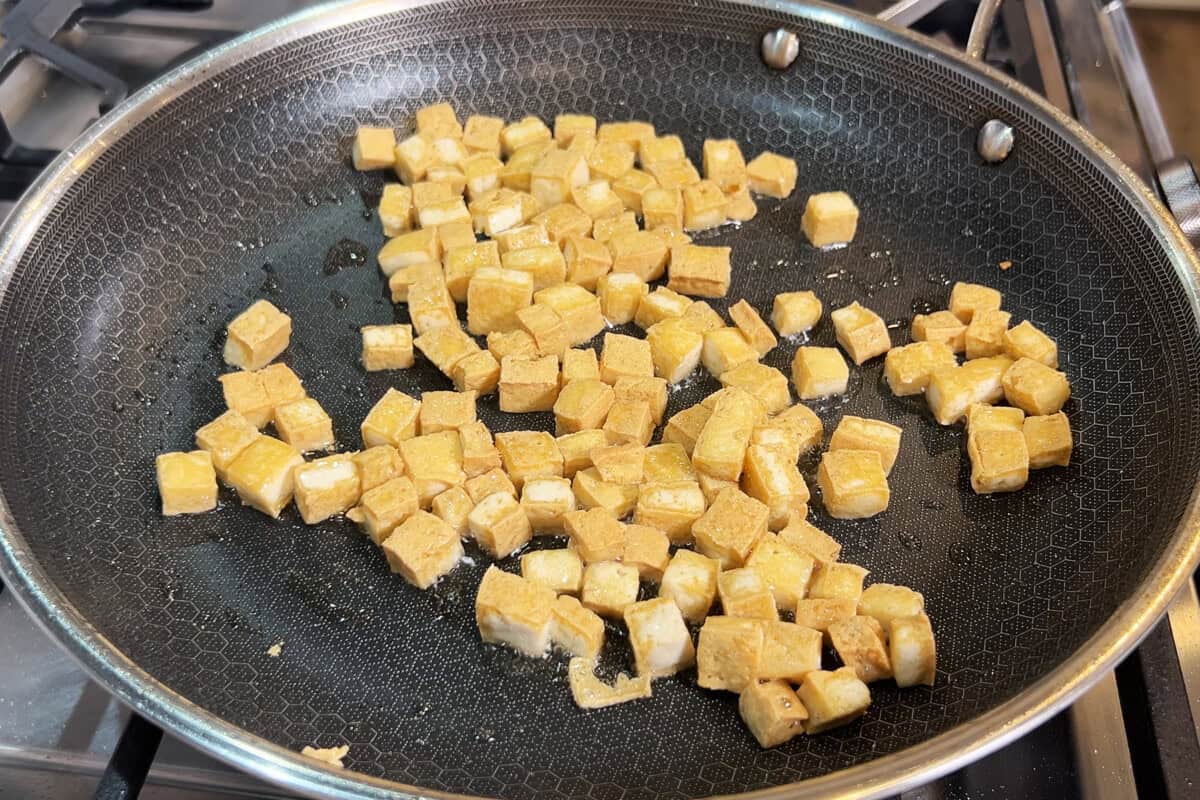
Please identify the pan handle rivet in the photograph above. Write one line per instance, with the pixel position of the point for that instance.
(780, 48)
(995, 141)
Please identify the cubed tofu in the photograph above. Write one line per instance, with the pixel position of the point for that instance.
(543, 323)
(499, 525)
(744, 593)
(512, 611)
(720, 449)
(772, 175)
(907, 369)
(768, 384)
(661, 148)
(518, 166)
(481, 134)
(730, 528)
(326, 487)
(377, 465)
(705, 206)
(788, 433)
(700, 271)
(225, 438)
(587, 261)
(659, 305)
(187, 482)
(1027, 341)
(985, 333)
(382, 508)
(741, 206)
(819, 372)
(526, 131)
(595, 534)
(729, 653)
(648, 549)
(662, 208)
(583, 143)
(387, 347)
(450, 174)
(672, 236)
(409, 249)
(488, 483)
(659, 637)
(597, 199)
(502, 344)
(560, 570)
(564, 221)
(645, 389)
(422, 549)
(579, 309)
(912, 650)
(443, 213)
(396, 213)
(608, 227)
(575, 629)
(690, 582)
(819, 613)
(834, 580)
(676, 174)
(438, 120)
(885, 602)
(482, 174)
(857, 433)
(304, 425)
(726, 348)
(522, 237)
(555, 175)
(391, 420)
(1035, 388)
(830, 218)
(245, 393)
(262, 474)
(576, 449)
(684, 428)
(629, 421)
(861, 332)
(620, 463)
(609, 587)
(630, 133)
(772, 711)
(434, 463)
(785, 570)
(462, 263)
(942, 327)
(529, 454)
(790, 651)
(478, 372)
(493, 298)
(453, 507)
(618, 499)
(771, 478)
(833, 698)
(430, 306)
(568, 126)
(1048, 440)
(402, 279)
(630, 187)
(757, 333)
(255, 337)
(795, 312)
(610, 160)
(412, 158)
(999, 461)
(953, 390)
(588, 691)
(711, 487)
(700, 317)
(578, 365)
(479, 453)
(672, 507)
(373, 148)
(802, 535)
(675, 350)
(640, 253)
(625, 356)
(666, 462)
(982, 417)
(724, 164)
(545, 501)
(853, 483)
(582, 405)
(967, 299)
(503, 210)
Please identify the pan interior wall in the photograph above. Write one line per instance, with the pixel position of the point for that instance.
(241, 189)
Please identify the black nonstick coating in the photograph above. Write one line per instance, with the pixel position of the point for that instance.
(241, 189)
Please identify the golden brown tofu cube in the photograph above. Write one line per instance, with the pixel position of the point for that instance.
(672, 236)
(479, 453)
(720, 449)
(422, 549)
(625, 356)
(985, 334)
(700, 271)
(1036, 389)
(560, 570)
(580, 632)
(830, 218)
(768, 384)
(885, 602)
(999, 461)
(412, 158)
(640, 253)
(391, 420)
(837, 581)
(618, 499)
(443, 213)
(529, 454)
(387, 347)
(705, 206)
(1048, 440)
(579, 309)
(449, 174)
(690, 582)
(582, 405)
(326, 487)
(381, 509)
(662, 208)
(555, 175)
(568, 126)
(857, 433)
(805, 537)
(377, 465)
(819, 613)
(500, 211)
(630, 133)
(609, 587)
(912, 650)
(564, 221)
(967, 299)
(661, 642)
(438, 120)
(724, 164)
(453, 506)
(304, 425)
(528, 384)
(795, 312)
(409, 249)
(672, 507)
(789, 434)
(853, 483)
(580, 365)
(403, 279)
(655, 149)
(545, 501)
(982, 417)
(487, 483)
(675, 349)
(631, 188)
(608, 227)
(434, 463)
(225, 438)
(518, 168)
(430, 306)
(482, 174)
(588, 691)
(1027, 341)
(907, 369)
(833, 699)
(684, 428)
(771, 478)
(711, 487)
(940, 326)
(282, 385)
(245, 393)
(785, 570)
(819, 372)
(861, 332)
(726, 348)
(481, 134)
(741, 206)
(620, 463)
(396, 209)
(522, 237)
(648, 549)
(744, 593)
(462, 263)
(499, 524)
(659, 305)
(587, 261)
(757, 332)
(700, 317)
(646, 389)
(597, 199)
(257, 336)
(512, 611)
(772, 712)
(729, 653)
(494, 297)
(576, 449)
(523, 133)
(611, 160)
(502, 344)
(446, 347)
(187, 482)
(772, 175)
(630, 421)
(543, 323)
(262, 474)
(478, 372)
(730, 528)
(373, 148)
(952, 390)
(675, 174)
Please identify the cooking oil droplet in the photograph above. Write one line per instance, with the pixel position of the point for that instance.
(311, 200)
(959, 553)
(896, 324)
(910, 541)
(922, 306)
(343, 255)
(338, 299)
(118, 406)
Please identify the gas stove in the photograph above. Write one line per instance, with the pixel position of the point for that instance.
(63, 63)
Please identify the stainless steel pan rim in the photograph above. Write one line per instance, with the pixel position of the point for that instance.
(888, 775)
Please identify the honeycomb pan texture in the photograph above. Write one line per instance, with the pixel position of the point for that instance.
(241, 189)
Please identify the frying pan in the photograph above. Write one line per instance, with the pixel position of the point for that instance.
(228, 180)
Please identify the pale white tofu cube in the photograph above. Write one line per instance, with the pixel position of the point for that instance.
(659, 637)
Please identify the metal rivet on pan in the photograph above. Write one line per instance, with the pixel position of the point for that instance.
(780, 48)
(995, 141)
